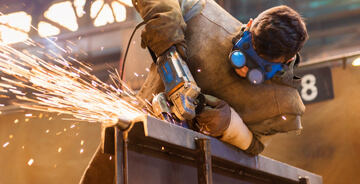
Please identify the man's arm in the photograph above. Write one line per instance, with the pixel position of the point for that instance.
(239, 135)
(165, 25)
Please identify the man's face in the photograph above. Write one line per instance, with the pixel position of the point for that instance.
(243, 71)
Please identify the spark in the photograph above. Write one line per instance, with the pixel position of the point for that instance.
(137, 75)
(82, 142)
(26, 119)
(81, 151)
(16, 121)
(199, 70)
(47, 131)
(28, 115)
(72, 126)
(30, 162)
(11, 136)
(6, 144)
(59, 86)
(110, 158)
(59, 150)
(283, 117)
(72, 43)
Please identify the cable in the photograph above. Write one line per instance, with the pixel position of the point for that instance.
(127, 48)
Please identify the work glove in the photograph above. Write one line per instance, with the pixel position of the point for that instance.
(180, 49)
(165, 25)
(215, 118)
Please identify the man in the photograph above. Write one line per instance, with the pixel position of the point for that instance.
(247, 115)
(277, 36)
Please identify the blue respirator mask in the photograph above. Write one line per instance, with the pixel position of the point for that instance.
(243, 54)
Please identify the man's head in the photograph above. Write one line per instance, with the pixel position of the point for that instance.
(277, 35)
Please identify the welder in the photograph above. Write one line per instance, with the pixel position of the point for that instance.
(244, 70)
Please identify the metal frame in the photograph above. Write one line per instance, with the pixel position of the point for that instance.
(150, 136)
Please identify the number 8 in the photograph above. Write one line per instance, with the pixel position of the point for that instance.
(308, 84)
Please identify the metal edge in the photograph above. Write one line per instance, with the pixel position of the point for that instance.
(152, 127)
(278, 168)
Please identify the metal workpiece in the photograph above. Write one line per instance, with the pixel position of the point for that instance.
(108, 133)
(165, 153)
(123, 123)
(203, 157)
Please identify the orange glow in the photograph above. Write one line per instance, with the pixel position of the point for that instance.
(126, 2)
(45, 29)
(67, 19)
(356, 62)
(15, 28)
(105, 16)
(95, 8)
(79, 6)
(119, 11)
(30, 162)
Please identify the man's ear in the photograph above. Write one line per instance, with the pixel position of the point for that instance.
(297, 59)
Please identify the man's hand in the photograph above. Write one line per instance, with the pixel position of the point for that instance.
(215, 118)
(219, 120)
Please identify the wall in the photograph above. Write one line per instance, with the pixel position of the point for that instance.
(54, 145)
(329, 144)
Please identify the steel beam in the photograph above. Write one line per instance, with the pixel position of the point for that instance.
(156, 141)
(203, 157)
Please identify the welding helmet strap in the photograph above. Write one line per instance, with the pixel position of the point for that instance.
(244, 54)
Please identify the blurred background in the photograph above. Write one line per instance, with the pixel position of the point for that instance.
(41, 147)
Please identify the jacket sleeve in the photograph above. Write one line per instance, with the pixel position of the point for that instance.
(164, 26)
(265, 130)
(258, 143)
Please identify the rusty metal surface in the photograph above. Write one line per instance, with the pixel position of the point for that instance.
(169, 146)
(203, 158)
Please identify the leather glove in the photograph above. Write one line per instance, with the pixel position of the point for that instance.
(165, 25)
(215, 118)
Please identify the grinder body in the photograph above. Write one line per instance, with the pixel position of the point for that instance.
(181, 89)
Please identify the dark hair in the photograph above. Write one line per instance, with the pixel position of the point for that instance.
(279, 32)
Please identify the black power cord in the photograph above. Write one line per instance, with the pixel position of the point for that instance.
(127, 48)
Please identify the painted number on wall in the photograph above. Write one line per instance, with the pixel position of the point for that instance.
(316, 84)
(309, 90)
